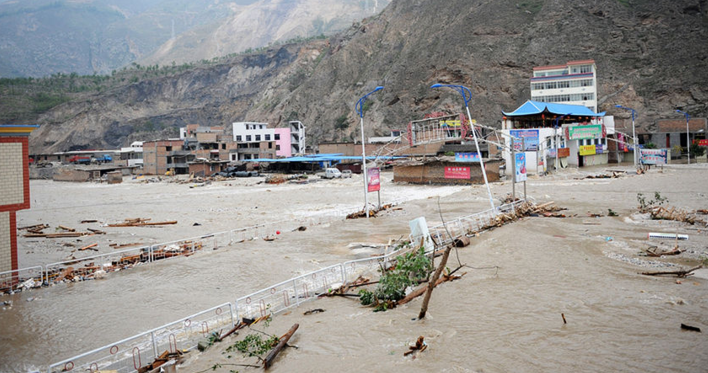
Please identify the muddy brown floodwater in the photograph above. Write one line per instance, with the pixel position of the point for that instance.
(492, 320)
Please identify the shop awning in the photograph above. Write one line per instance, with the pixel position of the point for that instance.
(536, 108)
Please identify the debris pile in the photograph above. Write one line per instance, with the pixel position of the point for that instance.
(664, 213)
(37, 231)
(372, 212)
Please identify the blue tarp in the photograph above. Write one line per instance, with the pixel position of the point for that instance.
(536, 107)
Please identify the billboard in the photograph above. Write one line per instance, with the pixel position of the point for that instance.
(520, 167)
(457, 172)
(563, 152)
(467, 157)
(530, 140)
(653, 156)
(374, 183)
(593, 131)
(587, 150)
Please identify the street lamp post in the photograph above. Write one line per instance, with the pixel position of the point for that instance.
(360, 110)
(467, 96)
(634, 135)
(688, 136)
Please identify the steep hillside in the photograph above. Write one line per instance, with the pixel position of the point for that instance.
(44, 37)
(650, 55)
(262, 23)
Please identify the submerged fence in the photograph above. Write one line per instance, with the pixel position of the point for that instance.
(129, 354)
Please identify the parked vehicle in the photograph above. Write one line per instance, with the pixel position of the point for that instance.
(346, 174)
(103, 159)
(331, 173)
(77, 159)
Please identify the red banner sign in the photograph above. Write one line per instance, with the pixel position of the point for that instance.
(702, 142)
(563, 152)
(457, 172)
(374, 183)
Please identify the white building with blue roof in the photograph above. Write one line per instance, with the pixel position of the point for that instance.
(555, 135)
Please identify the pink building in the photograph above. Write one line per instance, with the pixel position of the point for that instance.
(282, 142)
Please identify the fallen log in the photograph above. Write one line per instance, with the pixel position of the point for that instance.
(89, 221)
(281, 344)
(691, 328)
(681, 273)
(67, 228)
(654, 253)
(56, 235)
(91, 246)
(34, 227)
(421, 290)
(96, 231)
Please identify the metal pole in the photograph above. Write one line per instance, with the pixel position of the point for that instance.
(513, 171)
(481, 160)
(634, 139)
(363, 165)
(688, 142)
(379, 194)
(523, 148)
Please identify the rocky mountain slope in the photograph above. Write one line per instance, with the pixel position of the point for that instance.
(43, 37)
(261, 23)
(650, 55)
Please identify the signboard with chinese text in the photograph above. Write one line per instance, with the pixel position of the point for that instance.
(520, 167)
(457, 172)
(530, 140)
(599, 149)
(563, 152)
(587, 150)
(653, 156)
(467, 157)
(551, 153)
(593, 131)
(374, 183)
(702, 142)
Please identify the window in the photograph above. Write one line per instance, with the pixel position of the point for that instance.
(267, 137)
(585, 69)
(261, 126)
(277, 148)
(248, 137)
(258, 137)
(277, 136)
(223, 146)
(168, 148)
(238, 138)
(270, 145)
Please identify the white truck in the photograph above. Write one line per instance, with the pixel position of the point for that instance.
(331, 173)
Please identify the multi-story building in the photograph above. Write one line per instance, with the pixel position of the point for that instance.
(288, 141)
(574, 83)
(160, 156)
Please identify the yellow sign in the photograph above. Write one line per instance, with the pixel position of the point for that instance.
(587, 149)
(450, 123)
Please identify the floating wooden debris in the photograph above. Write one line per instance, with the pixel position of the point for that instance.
(372, 212)
(120, 246)
(67, 229)
(91, 246)
(691, 328)
(57, 235)
(96, 231)
(680, 273)
(35, 227)
(140, 222)
(89, 221)
(420, 346)
(652, 251)
(283, 341)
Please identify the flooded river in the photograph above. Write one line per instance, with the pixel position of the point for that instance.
(492, 320)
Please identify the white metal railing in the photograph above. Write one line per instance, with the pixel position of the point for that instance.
(29, 277)
(130, 354)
